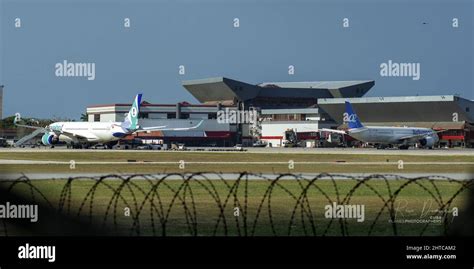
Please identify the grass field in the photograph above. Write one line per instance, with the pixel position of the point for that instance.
(164, 211)
(172, 207)
(141, 162)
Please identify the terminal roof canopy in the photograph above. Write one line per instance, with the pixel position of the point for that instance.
(220, 89)
(224, 89)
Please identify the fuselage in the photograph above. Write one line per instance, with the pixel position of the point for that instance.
(97, 132)
(390, 135)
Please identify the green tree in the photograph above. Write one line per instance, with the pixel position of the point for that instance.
(84, 117)
(7, 123)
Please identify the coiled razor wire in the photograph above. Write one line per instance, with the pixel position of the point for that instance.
(152, 205)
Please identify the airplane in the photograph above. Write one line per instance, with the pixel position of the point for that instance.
(78, 133)
(403, 137)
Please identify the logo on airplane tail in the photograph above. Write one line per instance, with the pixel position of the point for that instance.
(350, 118)
(134, 111)
(131, 121)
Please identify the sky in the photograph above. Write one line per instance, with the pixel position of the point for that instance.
(200, 35)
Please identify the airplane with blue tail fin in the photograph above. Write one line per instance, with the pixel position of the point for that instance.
(403, 137)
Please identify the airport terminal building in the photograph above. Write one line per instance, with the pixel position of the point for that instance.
(302, 107)
(280, 106)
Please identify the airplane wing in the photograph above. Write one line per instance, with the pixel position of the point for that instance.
(154, 128)
(31, 127)
(18, 119)
(332, 131)
(419, 136)
(164, 128)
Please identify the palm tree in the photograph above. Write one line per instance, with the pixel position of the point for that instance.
(84, 117)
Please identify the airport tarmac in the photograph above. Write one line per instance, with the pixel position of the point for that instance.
(391, 163)
(366, 151)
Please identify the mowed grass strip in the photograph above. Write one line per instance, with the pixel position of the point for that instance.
(136, 162)
(414, 201)
(231, 168)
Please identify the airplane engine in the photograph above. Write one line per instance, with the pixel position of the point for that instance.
(49, 139)
(429, 141)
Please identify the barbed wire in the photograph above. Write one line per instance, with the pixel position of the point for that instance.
(245, 204)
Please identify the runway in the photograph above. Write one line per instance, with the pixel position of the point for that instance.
(392, 163)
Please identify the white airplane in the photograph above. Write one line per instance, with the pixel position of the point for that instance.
(78, 133)
(403, 137)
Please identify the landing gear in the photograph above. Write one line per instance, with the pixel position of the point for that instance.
(76, 146)
(403, 147)
(382, 146)
(111, 145)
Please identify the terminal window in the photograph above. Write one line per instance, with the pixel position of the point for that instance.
(212, 116)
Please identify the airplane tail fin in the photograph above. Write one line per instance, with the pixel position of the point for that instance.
(131, 121)
(351, 117)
